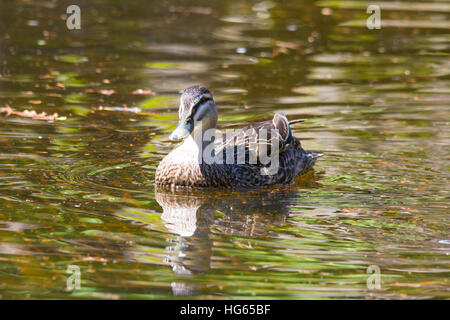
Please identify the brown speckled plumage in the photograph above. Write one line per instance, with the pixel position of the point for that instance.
(184, 168)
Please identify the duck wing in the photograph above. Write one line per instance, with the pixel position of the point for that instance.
(257, 140)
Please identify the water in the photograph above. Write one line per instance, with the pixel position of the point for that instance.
(79, 190)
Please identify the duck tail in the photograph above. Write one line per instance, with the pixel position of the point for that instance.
(317, 155)
(296, 121)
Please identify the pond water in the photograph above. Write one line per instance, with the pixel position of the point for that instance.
(78, 189)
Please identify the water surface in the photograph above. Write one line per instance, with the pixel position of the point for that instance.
(78, 189)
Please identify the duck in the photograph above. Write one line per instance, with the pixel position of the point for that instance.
(234, 160)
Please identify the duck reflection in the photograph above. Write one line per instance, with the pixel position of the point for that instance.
(197, 220)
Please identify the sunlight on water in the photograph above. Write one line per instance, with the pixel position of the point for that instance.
(78, 188)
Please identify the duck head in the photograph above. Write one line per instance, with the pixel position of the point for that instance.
(197, 112)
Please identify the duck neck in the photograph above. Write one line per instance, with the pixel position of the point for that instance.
(193, 147)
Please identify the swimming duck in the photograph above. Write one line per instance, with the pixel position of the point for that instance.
(186, 165)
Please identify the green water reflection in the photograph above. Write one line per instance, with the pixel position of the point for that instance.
(79, 190)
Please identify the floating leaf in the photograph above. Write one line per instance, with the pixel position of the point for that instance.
(28, 114)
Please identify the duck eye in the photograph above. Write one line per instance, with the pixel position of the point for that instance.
(202, 101)
(197, 105)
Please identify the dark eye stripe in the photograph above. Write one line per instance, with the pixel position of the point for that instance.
(198, 104)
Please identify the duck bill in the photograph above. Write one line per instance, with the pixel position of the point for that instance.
(182, 131)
